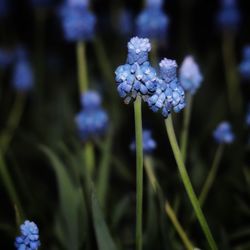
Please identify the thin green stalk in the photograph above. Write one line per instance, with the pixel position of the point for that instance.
(187, 183)
(83, 87)
(212, 174)
(232, 79)
(154, 55)
(139, 171)
(12, 122)
(8, 183)
(82, 67)
(104, 172)
(185, 128)
(168, 209)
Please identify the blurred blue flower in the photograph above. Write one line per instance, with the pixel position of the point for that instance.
(190, 75)
(223, 133)
(92, 120)
(248, 115)
(4, 8)
(244, 67)
(78, 22)
(29, 239)
(6, 58)
(91, 100)
(22, 75)
(169, 94)
(149, 144)
(137, 77)
(152, 22)
(79, 3)
(125, 24)
(229, 16)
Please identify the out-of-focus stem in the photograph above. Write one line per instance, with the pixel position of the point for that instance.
(232, 79)
(12, 122)
(187, 183)
(82, 67)
(211, 175)
(9, 185)
(148, 164)
(154, 54)
(104, 171)
(185, 128)
(139, 171)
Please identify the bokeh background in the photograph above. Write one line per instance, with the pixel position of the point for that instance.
(48, 121)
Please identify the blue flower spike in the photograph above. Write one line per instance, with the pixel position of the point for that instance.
(29, 238)
(149, 144)
(22, 76)
(244, 67)
(190, 75)
(223, 134)
(92, 120)
(152, 22)
(78, 22)
(248, 116)
(169, 95)
(136, 77)
(229, 15)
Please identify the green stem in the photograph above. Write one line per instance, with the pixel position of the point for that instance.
(212, 174)
(89, 157)
(168, 209)
(6, 178)
(233, 86)
(82, 67)
(187, 183)
(139, 171)
(12, 123)
(185, 128)
(104, 171)
(154, 54)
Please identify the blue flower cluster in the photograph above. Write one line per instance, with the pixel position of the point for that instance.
(169, 94)
(223, 134)
(92, 121)
(190, 75)
(22, 76)
(244, 67)
(77, 21)
(152, 22)
(149, 144)
(229, 16)
(29, 239)
(136, 77)
(248, 115)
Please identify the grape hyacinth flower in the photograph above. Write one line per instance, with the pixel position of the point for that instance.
(78, 22)
(248, 115)
(229, 15)
(149, 144)
(152, 22)
(92, 120)
(6, 58)
(244, 67)
(136, 77)
(223, 133)
(22, 76)
(190, 75)
(169, 94)
(29, 239)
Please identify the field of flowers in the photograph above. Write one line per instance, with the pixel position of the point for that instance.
(124, 125)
